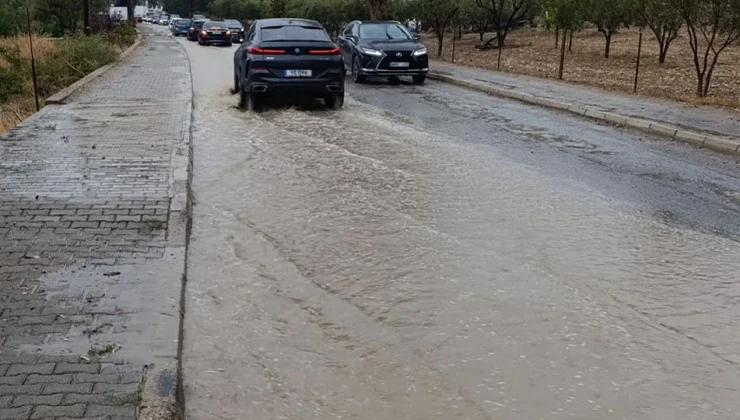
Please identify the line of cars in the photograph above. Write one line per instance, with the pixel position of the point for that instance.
(298, 56)
(208, 32)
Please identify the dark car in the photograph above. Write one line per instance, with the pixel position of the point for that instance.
(382, 48)
(214, 32)
(181, 27)
(237, 30)
(199, 17)
(293, 56)
(194, 30)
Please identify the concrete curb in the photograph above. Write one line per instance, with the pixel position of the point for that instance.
(723, 145)
(59, 97)
(161, 396)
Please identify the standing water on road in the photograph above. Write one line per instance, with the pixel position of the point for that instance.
(359, 264)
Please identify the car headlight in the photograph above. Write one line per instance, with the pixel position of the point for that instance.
(421, 51)
(370, 51)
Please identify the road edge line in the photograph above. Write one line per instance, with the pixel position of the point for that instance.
(61, 96)
(727, 146)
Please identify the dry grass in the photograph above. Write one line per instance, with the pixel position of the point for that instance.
(59, 62)
(18, 109)
(43, 47)
(532, 52)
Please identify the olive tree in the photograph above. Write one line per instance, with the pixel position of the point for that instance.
(437, 15)
(608, 16)
(663, 19)
(504, 15)
(713, 25)
(565, 15)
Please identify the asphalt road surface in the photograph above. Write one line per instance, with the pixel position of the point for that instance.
(434, 253)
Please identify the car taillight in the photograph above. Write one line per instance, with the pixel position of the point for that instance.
(204, 33)
(259, 51)
(191, 29)
(228, 33)
(333, 51)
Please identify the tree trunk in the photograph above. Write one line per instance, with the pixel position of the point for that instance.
(376, 9)
(570, 42)
(440, 40)
(608, 37)
(501, 35)
(480, 35)
(562, 57)
(663, 51)
(557, 37)
(708, 77)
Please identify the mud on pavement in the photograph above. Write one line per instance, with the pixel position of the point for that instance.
(92, 243)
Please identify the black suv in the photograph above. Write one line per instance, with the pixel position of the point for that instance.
(382, 48)
(293, 56)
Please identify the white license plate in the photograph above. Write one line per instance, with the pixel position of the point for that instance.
(298, 73)
(217, 32)
(399, 64)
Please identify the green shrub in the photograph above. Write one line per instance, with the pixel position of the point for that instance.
(86, 53)
(122, 35)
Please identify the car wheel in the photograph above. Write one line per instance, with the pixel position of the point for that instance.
(356, 75)
(334, 100)
(419, 79)
(248, 100)
(236, 81)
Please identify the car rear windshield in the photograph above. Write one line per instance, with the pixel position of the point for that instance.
(182, 23)
(233, 23)
(383, 31)
(198, 24)
(211, 25)
(294, 33)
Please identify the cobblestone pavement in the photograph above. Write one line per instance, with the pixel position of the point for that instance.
(89, 284)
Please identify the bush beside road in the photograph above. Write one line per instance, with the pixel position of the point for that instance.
(59, 63)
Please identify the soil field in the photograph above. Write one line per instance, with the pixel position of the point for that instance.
(532, 52)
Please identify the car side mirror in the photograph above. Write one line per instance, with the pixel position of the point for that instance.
(417, 37)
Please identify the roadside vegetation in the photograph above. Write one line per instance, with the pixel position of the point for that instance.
(62, 54)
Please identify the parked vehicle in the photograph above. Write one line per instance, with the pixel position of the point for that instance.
(382, 48)
(237, 30)
(214, 32)
(294, 56)
(181, 27)
(194, 30)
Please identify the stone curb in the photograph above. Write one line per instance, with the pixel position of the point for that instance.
(59, 97)
(723, 145)
(161, 392)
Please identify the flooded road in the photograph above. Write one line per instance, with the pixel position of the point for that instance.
(432, 253)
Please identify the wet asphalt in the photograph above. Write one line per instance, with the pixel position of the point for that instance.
(433, 253)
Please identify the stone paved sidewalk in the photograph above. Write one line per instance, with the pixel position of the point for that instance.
(705, 119)
(89, 277)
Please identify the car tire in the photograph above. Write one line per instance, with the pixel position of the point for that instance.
(248, 101)
(236, 81)
(334, 100)
(357, 77)
(419, 79)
